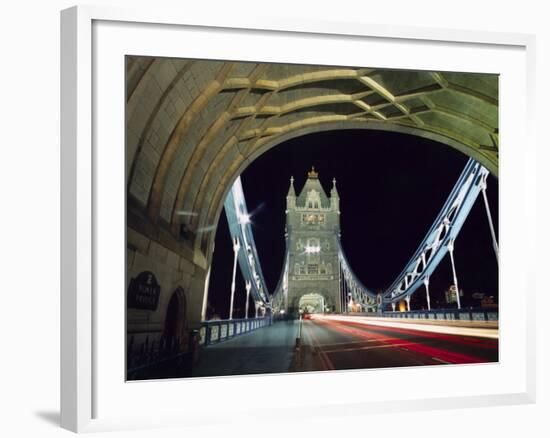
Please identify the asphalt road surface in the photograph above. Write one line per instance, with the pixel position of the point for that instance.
(338, 343)
(335, 344)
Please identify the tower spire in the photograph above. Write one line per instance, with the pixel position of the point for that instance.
(334, 196)
(334, 191)
(291, 191)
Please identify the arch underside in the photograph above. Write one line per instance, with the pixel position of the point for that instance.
(194, 126)
(312, 302)
(296, 300)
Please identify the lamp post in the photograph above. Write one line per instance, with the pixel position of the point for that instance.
(427, 285)
(248, 286)
(451, 247)
(489, 218)
(236, 247)
(205, 296)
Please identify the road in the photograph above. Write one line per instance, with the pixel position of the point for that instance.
(342, 342)
(350, 344)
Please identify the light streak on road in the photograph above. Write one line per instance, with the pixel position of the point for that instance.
(490, 333)
(417, 347)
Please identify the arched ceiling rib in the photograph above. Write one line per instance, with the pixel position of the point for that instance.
(192, 125)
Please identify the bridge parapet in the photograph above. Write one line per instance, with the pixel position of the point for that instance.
(219, 330)
(446, 314)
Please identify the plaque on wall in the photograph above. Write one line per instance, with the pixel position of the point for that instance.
(143, 292)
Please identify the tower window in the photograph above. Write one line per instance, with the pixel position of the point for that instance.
(313, 199)
(312, 269)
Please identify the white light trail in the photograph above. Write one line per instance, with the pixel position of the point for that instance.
(491, 333)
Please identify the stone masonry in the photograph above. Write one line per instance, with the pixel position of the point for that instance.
(312, 232)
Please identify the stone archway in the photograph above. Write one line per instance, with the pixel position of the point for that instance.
(313, 302)
(295, 302)
(175, 323)
(194, 125)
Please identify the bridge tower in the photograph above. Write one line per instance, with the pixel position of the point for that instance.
(312, 233)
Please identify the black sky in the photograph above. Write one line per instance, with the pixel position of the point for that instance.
(391, 188)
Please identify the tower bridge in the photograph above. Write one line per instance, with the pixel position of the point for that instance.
(194, 126)
(317, 282)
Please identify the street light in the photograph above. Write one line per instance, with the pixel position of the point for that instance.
(244, 218)
(236, 247)
(248, 286)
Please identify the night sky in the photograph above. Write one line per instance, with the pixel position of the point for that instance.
(391, 188)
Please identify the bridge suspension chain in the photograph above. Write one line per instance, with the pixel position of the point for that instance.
(441, 236)
(353, 290)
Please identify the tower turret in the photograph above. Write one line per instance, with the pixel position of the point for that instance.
(291, 195)
(334, 197)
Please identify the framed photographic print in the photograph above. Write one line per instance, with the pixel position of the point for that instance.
(319, 209)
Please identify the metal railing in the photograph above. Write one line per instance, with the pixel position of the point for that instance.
(445, 314)
(165, 358)
(219, 330)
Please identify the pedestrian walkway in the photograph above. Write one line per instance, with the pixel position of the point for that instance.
(266, 350)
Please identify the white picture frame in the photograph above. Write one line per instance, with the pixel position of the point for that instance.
(84, 175)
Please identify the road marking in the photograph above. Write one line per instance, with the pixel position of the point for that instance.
(373, 347)
(326, 362)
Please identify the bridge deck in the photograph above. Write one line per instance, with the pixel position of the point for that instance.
(266, 350)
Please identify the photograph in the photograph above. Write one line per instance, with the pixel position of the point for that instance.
(288, 218)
